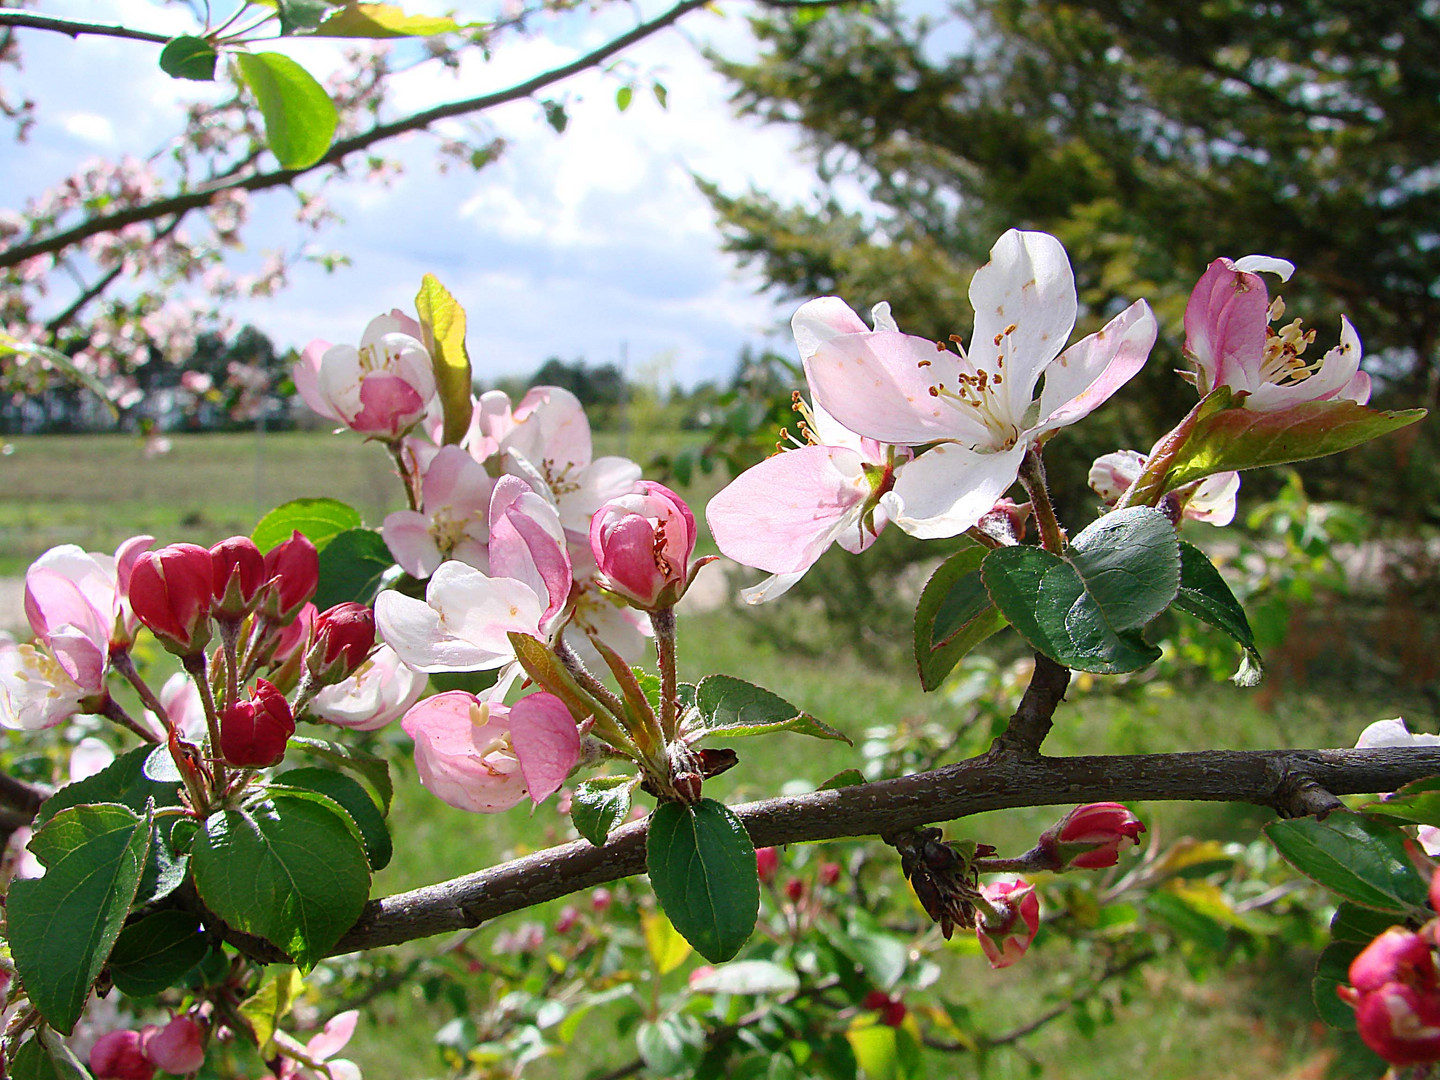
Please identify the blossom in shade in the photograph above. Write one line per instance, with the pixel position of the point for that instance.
(379, 691)
(118, 1055)
(978, 407)
(1211, 500)
(382, 389)
(452, 522)
(1231, 342)
(178, 1047)
(1007, 934)
(487, 757)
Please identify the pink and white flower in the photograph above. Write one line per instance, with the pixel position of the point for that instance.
(1229, 339)
(1211, 500)
(642, 543)
(452, 522)
(978, 407)
(379, 691)
(381, 389)
(784, 513)
(1006, 936)
(322, 1050)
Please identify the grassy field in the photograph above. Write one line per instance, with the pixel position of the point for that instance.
(1252, 1021)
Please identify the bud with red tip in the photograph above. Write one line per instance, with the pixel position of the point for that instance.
(767, 861)
(829, 873)
(119, 1055)
(600, 900)
(795, 890)
(1396, 996)
(170, 592)
(1089, 837)
(891, 1009)
(569, 918)
(1397, 955)
(178, 1047)
(643, 543)
(239, 575)
(292, 574)
(253, 733)
(1008, 928)
(341, 641)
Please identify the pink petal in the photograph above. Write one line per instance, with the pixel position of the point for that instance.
(546, 741)
(407, 535)
(388, 405)
(821, 320)
(334, 1036)
(949, 488)
(1090, 371)
(54, 601)
(1225, 323)
(448, 762)
(306, 376)
(781, 515)
(550, 425)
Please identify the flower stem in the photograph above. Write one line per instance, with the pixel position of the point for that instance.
(195, 665)
(397, 452)
(663, 620)
(121, 661)
(112, 710)
(1032, 475)
(229, 634)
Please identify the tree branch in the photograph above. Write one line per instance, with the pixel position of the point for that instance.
(201, 196)
(992, 782)
(74, 29)
(1032, 719)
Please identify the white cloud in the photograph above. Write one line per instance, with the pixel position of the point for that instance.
(89, 128)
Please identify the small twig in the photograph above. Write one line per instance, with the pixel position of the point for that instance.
(664, 623)
(74, 29)
(112, 710)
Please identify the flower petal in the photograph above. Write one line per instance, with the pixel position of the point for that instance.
(949, 488)
(1085, 375)
(546, 741)
(1225, 322)
(407, 535)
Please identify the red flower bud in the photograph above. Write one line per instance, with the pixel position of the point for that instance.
(292, 572)
(170, 592)
(1397, 955)
(341, 642)
(1006, 935)
(891, 1009)
(829, 873)
(1089, 837)
(767, 861)
(118, 1055)
(569, 917)
(253, 733)
(600, 899)
(238, 576)
(795, 889)
(1400, 1023)
(643, 543)
(178, 1047)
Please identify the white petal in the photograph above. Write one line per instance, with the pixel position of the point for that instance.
(1390, 733)
(774, 586)
(820, 320)
(1266, 264)
(948, 489)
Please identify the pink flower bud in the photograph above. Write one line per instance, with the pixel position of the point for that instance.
(239, 575)
(341, 642)
(569, 917)
(1006, 935)
(600, 900)
(1397, 955)
(767, 861)
(253, 733)
(1400, 1023)
(170, 592)
(292, 571)
(295, 637)
(178, 1047)
(829, 873)
(118, 1055)
(642, 544)
(795, 890)
(1089, 837)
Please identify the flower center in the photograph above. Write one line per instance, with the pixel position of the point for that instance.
(1282, 362)
(974, 390)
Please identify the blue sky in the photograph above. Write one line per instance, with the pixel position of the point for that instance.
(571, 245)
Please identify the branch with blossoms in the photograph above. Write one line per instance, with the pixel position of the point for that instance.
(541, 577)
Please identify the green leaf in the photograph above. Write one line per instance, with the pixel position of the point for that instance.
(442, 324)
(472, 682)
(351, 567)
(747, 977)
(1183, 918)
(1359, 925)
(383, 21)
(1363, 861)
(1332, 971)
(954, 615)
(354, 800)
(62, 926)
(843, 778)
(662, 96)
(601, 805)
(671, 1045)
(187, 57)
(1240, 438)
(1085, 610)
(881, 955)
(153, 953)
(301, 15)
(702, 867)
(733, 708)
(555, 115)
(320, 520)
(299, 116)
(10, 346)
(623, 97)
(267, 1006)
(123, 781)
(1205, 595)
(46, 1057)
(1417, 803)
(291, 869)
(375, 771)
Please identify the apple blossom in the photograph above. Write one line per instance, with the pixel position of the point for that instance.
(89, 757)
(171, 591)
(1396, 996)
(178, 1047)
(183, 707)
(340, 641)
(293, 572)
(381, 389)
(321, 1050)
(979, 407)
(468, 754)
(239, 574)
(1006, 932)
(1393, 732)
(118, 1055)
(452, 522)
(643, 543)
(1211, 500)
(377, 692)
(1089, 837)
(253, 733)
(1229, 339)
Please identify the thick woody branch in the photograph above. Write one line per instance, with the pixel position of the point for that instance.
(73, 28)
(201, 195)
(996, 781)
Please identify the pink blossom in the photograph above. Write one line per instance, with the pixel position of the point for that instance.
(379, 691)
(381, 389)
(979, 407)
(643, 543)
(1089, 837)
(1211, 500)
(1007, 934)
(321, 1050)
(453, 519)
(465, 754)
(89, 757)
(1229, 339)
(118, 1055)
(178, 1047)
